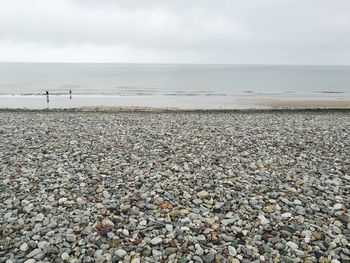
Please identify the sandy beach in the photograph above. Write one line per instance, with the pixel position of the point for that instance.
(237, 186)
(239, 101)
(305, 104)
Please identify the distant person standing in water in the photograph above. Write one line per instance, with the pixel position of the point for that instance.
(47, 96)
(70, 94)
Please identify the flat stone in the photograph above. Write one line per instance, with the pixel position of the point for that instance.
(315, 207)
(120, 253)
(263, 220)
(269, 208)
(198, 250)
(292, 245)
(43, 244)
(62, 200)
(65, 256)
(338, 206)
(39, 217)
(125, 232)
(226, 222)
(34, 253)
(24, 247)
(202, 194)
(286, 215)
(209, 257)
(232, 251)
(170, 250)
(156, 253)
(197, 201)
(107, 223)
(71, 237)
(156, 241)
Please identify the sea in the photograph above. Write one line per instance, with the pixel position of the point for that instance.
(23, 85)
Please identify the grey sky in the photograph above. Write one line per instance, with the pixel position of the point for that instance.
(180, 31)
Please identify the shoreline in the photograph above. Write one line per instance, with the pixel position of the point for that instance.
(188, 103)
(178, 110)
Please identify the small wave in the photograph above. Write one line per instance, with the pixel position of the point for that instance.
(22, 94)
(181, 94)
(331, 92)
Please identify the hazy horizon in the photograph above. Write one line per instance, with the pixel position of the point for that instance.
(174, 63)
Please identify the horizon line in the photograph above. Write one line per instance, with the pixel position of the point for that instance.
(169, 63)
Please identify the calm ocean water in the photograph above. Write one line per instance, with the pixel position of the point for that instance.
(171, 79)
(22, 85)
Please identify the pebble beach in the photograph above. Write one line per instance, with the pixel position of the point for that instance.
(236, 186)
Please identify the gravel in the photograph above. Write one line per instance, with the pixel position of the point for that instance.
(174, 187)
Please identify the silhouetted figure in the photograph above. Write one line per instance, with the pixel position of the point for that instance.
(47, 97)
(70, 94)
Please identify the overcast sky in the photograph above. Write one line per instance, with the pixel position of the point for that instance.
(176, 31)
